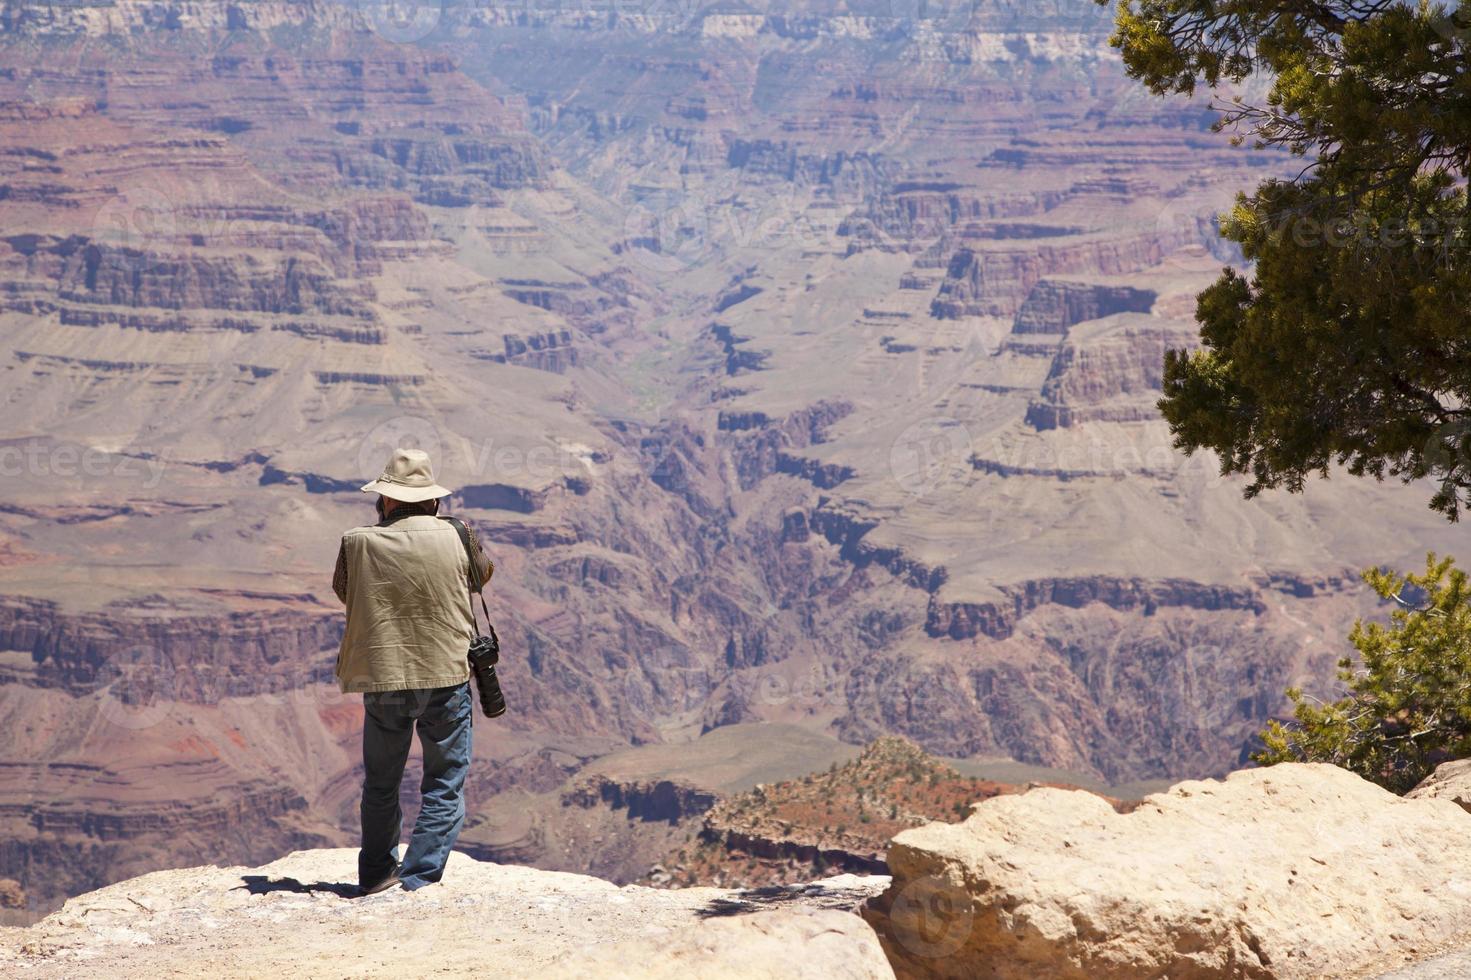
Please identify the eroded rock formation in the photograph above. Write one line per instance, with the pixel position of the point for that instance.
(1289, 871)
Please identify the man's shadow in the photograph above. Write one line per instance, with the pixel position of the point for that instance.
(261, 885)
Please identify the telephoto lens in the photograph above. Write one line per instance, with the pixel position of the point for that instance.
(482, 664)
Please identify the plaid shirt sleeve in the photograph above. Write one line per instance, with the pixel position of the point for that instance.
(339, 575)
(487, 567)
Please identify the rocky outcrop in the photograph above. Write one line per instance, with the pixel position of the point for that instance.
(502, 496)
(595, 824)
(794, 528)
(784, 851)
(997, 619)
(833, 944)
(139, 16)
(665, 800)
(1121, 696)
(738, 359)
(300, 914)
(822, 475)
(1056, 304)
(760, 446)
(849, 531)
(911, 214)
(552, 351)
(1108, 370)
(111, 276)
(1294, 871)
(141, 658)
(55, 849)
(997, 282)
(312, 482)
(841, 819)
(1450, 781)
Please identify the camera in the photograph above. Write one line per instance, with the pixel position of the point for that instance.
(485, 652)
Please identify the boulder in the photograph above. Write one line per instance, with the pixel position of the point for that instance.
(1289, 871)
(1450, 781)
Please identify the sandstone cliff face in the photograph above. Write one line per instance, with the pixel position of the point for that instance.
(1290, 871)
(299, 914)
(1054, 305)
(1111, 371)
(962, 620)
(199, 659)
(665, 800)
(614, 828)
(66, 847)
(996, 283)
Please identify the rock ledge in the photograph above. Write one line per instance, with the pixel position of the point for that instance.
(297, 916)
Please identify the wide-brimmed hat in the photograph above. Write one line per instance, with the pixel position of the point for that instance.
(407, 477)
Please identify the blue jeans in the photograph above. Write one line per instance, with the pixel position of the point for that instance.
(443, 716)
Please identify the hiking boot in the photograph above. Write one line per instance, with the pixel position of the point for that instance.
(383, 885)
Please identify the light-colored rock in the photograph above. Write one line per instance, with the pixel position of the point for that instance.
(296, 917)
(1454, 965)
(761, 946)
(1290, 871)
(1450, 781)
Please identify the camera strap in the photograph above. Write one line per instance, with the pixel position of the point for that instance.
(476, 586)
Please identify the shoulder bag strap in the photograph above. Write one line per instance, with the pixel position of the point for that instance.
(476, 586)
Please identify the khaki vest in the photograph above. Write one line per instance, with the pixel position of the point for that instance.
(408, 607)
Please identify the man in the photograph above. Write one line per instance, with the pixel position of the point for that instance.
(405, 581)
